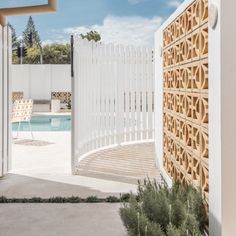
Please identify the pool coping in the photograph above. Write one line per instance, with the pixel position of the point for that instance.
(51, 114)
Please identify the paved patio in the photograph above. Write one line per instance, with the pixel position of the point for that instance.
(42, 168)
(128, 163)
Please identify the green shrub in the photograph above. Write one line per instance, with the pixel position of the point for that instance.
(112, 199)
(92, 199)
(129, 215)
(160, 211)
(190, 226)
(73, 199)
(125, 197)
(173, 231)
(3, 199)
(178, 213)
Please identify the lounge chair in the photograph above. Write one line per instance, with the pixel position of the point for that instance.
(22, 113)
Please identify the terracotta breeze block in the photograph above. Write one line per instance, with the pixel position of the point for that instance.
(185, 98)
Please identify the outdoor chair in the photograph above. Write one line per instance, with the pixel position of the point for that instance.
(22, 113)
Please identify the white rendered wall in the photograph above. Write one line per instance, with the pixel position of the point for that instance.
(38, 81)
(61, 78)
(228, 115)
(21, 78)
(222, 111)
(215, 173)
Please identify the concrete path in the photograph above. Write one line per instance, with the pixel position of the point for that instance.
(60, 220)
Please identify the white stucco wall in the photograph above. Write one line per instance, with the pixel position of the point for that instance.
(38, 81)
(222, 117)
(215, 183)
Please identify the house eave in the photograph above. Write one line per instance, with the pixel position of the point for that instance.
(29, 10)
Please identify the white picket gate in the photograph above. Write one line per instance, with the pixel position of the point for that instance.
(113, 96)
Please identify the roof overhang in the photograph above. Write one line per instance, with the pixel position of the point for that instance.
(29, 10)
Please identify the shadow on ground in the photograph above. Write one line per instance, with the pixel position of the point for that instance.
(19, 186)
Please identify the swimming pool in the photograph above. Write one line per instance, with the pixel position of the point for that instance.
(46, 123)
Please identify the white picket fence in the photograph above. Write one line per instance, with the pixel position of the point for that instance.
(113, 96)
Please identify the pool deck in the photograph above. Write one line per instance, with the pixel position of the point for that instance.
(43, 169)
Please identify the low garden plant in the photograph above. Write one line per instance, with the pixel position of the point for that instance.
(73, 199)
(161, 211)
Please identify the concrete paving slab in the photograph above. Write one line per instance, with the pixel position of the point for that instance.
(60, 220)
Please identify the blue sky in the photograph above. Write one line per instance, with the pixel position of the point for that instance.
(129, 22)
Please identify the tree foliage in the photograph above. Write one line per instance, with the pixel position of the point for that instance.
(52, 54)
(56, 54)
(160, 211)
(33, 56)
(92, 35)
(31, 29)
(15, 42)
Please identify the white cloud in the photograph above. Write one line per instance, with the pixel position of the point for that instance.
(174, 3)
(137, 31)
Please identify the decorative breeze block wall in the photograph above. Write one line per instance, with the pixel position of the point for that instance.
(17, 96)
(185, 57)
(64, 97)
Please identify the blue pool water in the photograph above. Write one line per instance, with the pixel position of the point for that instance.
(46, 123)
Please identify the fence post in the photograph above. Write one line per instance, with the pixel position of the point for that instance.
(73, 108)
(118, 95)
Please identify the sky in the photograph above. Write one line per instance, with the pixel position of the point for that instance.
(128, 22)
